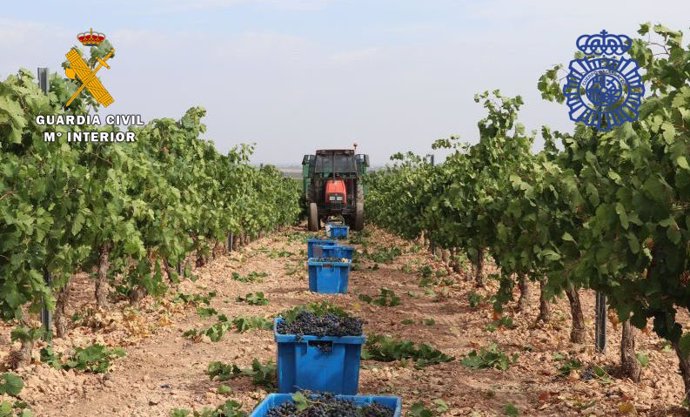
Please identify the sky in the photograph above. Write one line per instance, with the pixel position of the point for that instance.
(296, 75)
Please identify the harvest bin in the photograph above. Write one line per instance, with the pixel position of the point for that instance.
(327, 277)
(273, 400)
(312, 243)
(337, 231)
(303, 366)
(337, 251)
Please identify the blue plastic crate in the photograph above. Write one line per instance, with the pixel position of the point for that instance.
(313, 243)
(274, 400)
(337, 231)
(302, 365)
(328, 277)
(337, 251)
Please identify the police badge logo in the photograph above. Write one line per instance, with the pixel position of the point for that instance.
(604, 89)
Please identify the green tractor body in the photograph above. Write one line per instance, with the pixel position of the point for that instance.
(332, 182)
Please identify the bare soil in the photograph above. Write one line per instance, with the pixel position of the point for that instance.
(164, 370)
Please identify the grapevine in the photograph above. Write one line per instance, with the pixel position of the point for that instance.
(602, 211)
(130, 212)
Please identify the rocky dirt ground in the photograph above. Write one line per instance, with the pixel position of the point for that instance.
(163, 370)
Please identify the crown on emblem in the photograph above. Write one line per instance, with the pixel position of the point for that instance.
(604, 43)
(91, 38)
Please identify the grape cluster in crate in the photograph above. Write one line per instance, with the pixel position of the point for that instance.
(329, 263)
(320, 346)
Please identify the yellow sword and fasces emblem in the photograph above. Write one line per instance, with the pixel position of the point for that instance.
(80, 70)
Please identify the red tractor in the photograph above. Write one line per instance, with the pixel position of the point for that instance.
(333, 186)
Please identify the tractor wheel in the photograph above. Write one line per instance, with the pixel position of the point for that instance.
(313, 217)
(359, 217)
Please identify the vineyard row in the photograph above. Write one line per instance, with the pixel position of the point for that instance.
(606, 211)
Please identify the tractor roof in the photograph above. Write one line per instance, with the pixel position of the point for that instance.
(335, 151)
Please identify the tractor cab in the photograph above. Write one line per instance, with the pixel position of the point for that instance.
(332, 186)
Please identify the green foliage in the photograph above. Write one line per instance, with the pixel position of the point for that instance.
(246, 323)
(50, 358)
(419, 409)
(95, 358)
(642, 359)
(301, 401)
(251, 277)
(384, 255)
(430, 277)
(406, 268)
(426, 282)
(222, 371)
(194, 299)
(360, 238)
(280, 254)
(474, 299)
(426, 271)
(600, 373)
(206, 311)
(146, 205)
(262, 374)
(26, 334)
(218, 330)
(215, 332)
(242, 324)
(504, 322)
(440, 406)
(10, 384)
(386, 298)
(254, 299)
(489, 357)
(224, 390)
(593, 209)
(16, 409)
(569, 366)
(293, 268)
(77, 318)
(396, 195)
(511, 410)
(387, 349)
(230, 408)
(629, 187)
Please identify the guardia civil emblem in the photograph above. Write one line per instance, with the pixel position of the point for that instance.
(604, 89)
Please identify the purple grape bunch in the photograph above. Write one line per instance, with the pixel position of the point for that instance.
(329, 324)
(328, 405)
